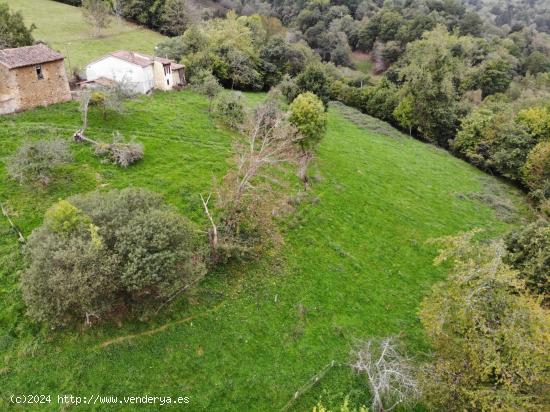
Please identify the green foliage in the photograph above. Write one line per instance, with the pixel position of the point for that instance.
(13, 32)
(64, 217)
(490, 337)
(279, 58)
(307, 113)
(314, 79)
(536, 171)
(175, 18)
(493, 76)
(36, 161)
(432, 71)
(528, 251)
(537, 62)
(492, 137)
(101, 251)
(537, 121)
(206, 84)
(229, 107)
(289, 88)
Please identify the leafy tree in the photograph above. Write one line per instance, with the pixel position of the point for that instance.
(314, 79)
(471, 141)
(404, 113)
(13, 32)
(537, 62)
(307, 114)
(97, 14)
(528, 251)
(176, 17)
(230, 108)
(205, 83)
(432, 71)
(510, 144)
(490, 337)
(537, 120)
(98, 252)
(536, 171)
(494, 76)
(279, 57)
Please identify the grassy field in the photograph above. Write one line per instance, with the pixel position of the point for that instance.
(355, 264)
(64, 29)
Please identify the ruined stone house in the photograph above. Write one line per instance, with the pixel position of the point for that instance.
(30, 77)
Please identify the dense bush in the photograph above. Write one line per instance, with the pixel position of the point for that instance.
(308, 115)
(36, 161)
(490, 337)
(537, 169)
(315, 79)
(528, 251)
(99, 252)
(229, 107)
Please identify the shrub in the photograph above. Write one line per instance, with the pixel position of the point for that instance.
(288, 88)
(528, 251)
(536, 171)
(36, 161)
(537, 121)
(121, 154)
(230, 109)
(490, 337)
(205, 83)
(315, 79)
(99, 252)
(307, 113)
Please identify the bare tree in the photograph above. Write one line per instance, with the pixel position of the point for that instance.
(390, 374)
(268, 143)
(97, 14)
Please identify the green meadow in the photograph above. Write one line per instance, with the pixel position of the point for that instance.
(355, 262)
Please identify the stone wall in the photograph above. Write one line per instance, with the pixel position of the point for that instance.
(33, 92)
(8, 91)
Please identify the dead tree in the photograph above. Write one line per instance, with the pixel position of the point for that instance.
(390, 375)
(269, 142)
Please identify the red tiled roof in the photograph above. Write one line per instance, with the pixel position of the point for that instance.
(135, 58)
(28, 56)
(139, 59)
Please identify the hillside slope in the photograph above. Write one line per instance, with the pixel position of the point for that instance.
(64, 29)
(355, 263)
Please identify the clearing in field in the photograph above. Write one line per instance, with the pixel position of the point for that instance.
(355, 262)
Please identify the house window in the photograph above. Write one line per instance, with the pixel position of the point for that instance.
(168, 82)
(39, 73)
(167, 70)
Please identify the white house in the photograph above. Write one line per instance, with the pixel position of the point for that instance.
(140, 72)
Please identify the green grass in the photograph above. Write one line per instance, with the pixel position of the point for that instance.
(64, 29)
(355, 264)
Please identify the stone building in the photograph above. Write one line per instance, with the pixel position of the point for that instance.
(31, 76)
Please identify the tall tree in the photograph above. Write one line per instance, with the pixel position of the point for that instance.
(13, 32)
